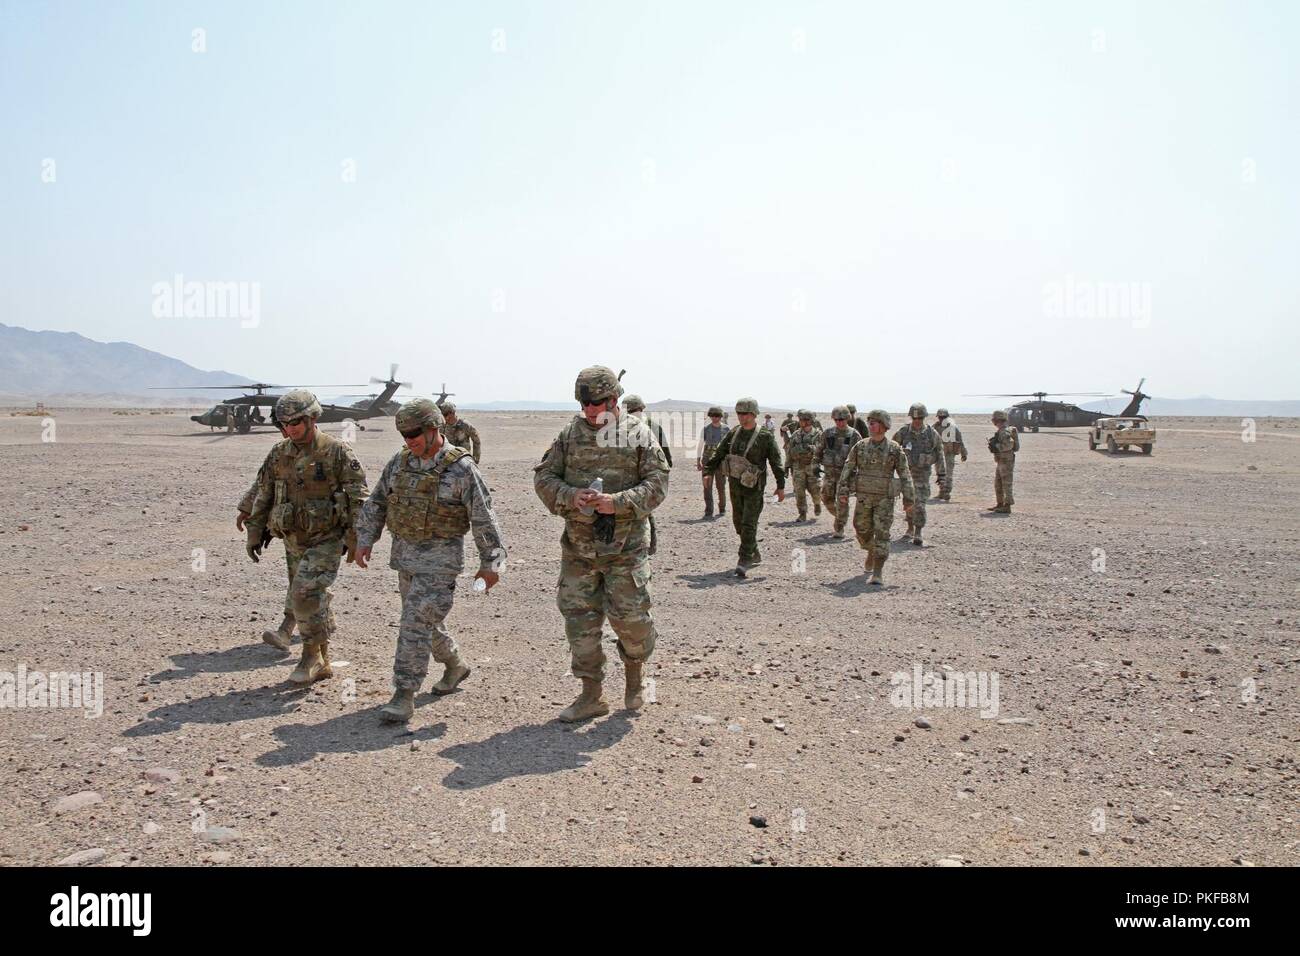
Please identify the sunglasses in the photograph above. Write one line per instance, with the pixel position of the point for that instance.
(414, 433)
(293, 422)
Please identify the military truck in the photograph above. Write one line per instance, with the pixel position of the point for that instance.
(1122, 432)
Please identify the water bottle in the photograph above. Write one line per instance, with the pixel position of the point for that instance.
(597, 486)
(480, 585)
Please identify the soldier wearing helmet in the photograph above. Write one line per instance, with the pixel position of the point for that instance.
(458, 431)
(803, 467)
(870, 472)
(1003, 444)
(924, 450)
(744, 456)
(832, 452)
(856, 422)
(953, 444)
(310, 489)
(635, 405)
(604, 551)
(429, 496)
(710, 438)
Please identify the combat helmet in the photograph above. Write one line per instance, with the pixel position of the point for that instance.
(840, 412)
(917, 410)
(853, 409)
(1000, 415)
(447, 408)
(805, 415)
(714, 410)
(941, 413)
(746, 406)
(596, 383)
(296, 403)
(419, 413)
(879, 415)
(634, 403)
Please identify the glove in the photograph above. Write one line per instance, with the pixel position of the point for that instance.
(253, 545)
(603, 528)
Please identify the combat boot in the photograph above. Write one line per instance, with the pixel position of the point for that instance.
(455, 672)
(400, 708)
(708, 505)
(281, 636)
(313, 666)
(632, 698)
(817, 509)
(877, 572)
(1003, 509)
(916, 537)
(589, 703)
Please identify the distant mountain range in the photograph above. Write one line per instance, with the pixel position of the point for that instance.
(73, 368)
(70, 369)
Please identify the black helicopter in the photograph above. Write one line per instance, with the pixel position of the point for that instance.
(241, 414)
(1038, 413)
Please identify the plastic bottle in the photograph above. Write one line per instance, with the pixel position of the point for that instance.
(598, 486)
(480, 585)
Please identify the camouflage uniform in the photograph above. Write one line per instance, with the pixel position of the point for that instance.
(802, 447)
(869, 473)
(309, 497)
(428, 505)
(759, 448)
(924, 451)
(599, 578)
(461, 434)
(858, 424)
(1004, 444)
(832, 452)
(953, 444)
(285, 630)
(710, 439)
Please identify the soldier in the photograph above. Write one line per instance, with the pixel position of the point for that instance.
(282, 636)
(458, 431)
(804, 469)
(831, 454)
(309, 491)
(741, 457)
(604, 561)
(633, 405)
(952, 444)
(856, 423)
(710, 438)
(1003, 444)
(787, 428)
(869, 473)
(429, 495)
(924, 451)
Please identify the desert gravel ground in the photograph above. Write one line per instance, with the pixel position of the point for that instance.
(1149, 693)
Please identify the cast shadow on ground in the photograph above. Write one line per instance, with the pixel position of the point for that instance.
(275, 700)
(854, 586)
(355, 731)
(532, 749)
(720, 579)
(232, 660)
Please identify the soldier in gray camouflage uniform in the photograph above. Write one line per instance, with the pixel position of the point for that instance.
(924, 452)
(832, 452)
(429, 495)
(458, 431)
(710, 438)
(604, 551)
(953, 444)
(803, 466)
(309, 491)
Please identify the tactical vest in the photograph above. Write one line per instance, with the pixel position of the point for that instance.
(876, 463)
(414, 511)
(717, 434)
(837, 448)
(738, 466)
(1005, 443)
(611, 454)
(309, 500)
(802, 446)
(950, 431)
(922, 447)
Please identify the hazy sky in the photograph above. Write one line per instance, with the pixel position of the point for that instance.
(807, 202)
